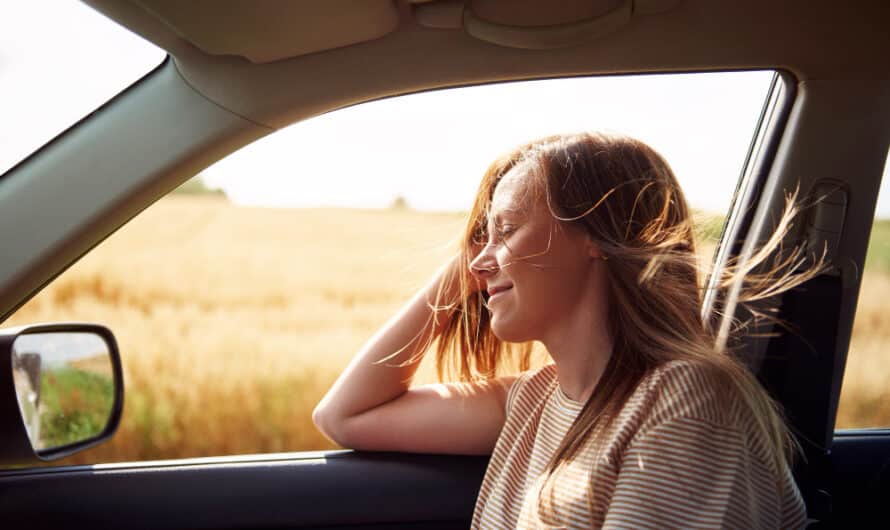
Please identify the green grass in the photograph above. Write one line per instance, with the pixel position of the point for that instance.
(707, 226)
(75, 405)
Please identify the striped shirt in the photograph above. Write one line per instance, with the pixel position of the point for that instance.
(671, 459)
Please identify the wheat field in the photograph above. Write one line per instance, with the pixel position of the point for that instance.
(232, 322)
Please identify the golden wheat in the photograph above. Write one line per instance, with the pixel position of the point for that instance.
(233, 322)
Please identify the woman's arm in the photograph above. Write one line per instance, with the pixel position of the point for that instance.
(371, 406)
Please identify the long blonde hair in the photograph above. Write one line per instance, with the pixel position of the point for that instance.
(628, 200)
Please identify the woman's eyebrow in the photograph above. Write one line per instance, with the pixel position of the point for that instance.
(506, 213)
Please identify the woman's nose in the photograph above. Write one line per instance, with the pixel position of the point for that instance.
(484, 264)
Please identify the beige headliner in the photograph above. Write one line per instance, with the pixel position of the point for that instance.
(267, 31)
(851, 40)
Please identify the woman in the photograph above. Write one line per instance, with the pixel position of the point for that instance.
(584, 243)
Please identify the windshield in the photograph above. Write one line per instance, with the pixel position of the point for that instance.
(59, 61)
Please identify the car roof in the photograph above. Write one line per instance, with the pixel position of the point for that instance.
(278, 62)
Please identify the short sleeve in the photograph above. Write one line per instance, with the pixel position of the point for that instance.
(693, 473)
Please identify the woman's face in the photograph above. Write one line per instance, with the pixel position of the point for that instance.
(536, 269)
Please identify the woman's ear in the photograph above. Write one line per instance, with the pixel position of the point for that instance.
(594, 251)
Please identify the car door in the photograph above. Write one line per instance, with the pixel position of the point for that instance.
(817, 132)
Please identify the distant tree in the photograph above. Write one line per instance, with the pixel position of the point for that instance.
(197, 186)
(399, 203)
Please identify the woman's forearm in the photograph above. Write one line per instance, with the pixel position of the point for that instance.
(380, 372)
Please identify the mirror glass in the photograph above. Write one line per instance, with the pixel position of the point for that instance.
(64, 382)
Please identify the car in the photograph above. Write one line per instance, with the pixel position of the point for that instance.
(237, 71)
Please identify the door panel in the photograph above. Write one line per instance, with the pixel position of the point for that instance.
(302, 490)
(859, 475)
(345, 490)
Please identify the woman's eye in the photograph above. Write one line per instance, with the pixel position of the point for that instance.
(505, 230)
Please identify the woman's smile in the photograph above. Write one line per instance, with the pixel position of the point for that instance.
(497, 291)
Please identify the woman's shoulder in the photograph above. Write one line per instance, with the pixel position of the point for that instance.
(690, 389)
(694, 372)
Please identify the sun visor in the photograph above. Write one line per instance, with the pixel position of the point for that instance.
(265, 31)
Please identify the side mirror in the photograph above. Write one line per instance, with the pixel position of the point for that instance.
(61, 390)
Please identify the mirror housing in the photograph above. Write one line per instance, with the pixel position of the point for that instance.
(40, 366)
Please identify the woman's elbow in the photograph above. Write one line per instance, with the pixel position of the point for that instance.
(342, 430)
(327, 423)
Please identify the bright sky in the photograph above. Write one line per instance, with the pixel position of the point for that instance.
(58, 348)
(429, 148)
(432, 148)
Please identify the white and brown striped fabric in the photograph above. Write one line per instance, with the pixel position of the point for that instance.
(672, 459)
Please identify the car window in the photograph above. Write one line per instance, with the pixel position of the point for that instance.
(51, 76)
(239, 298)
(865, 393)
